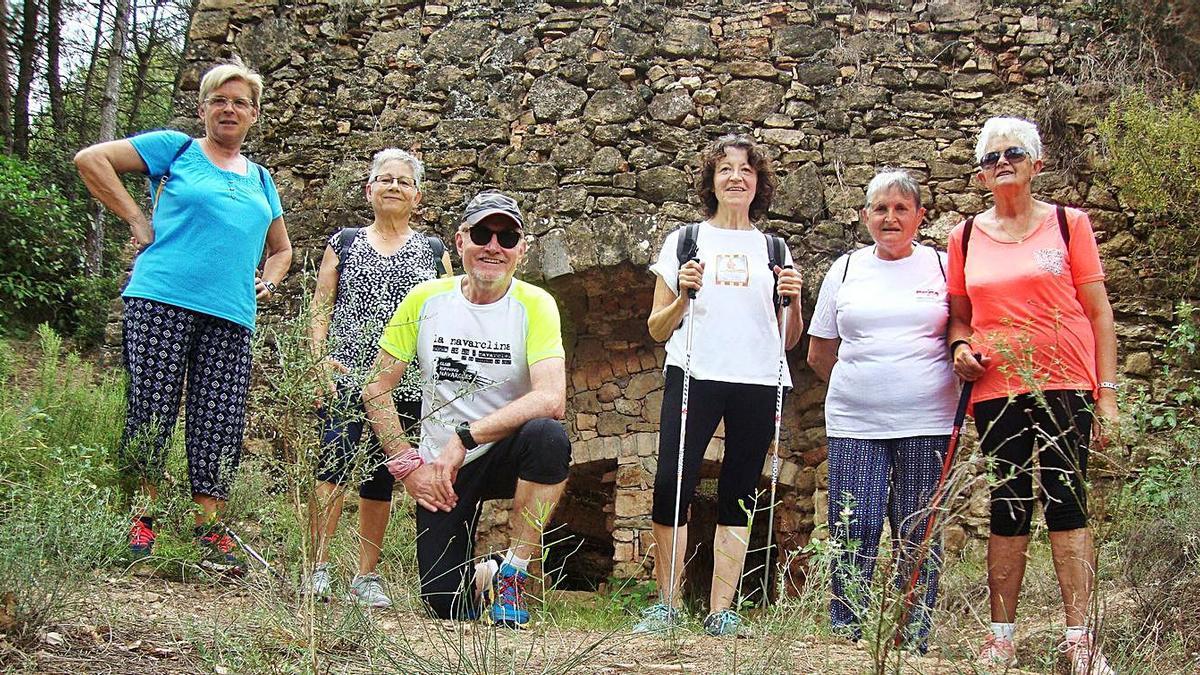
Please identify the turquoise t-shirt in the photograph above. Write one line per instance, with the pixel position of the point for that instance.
(209, 230)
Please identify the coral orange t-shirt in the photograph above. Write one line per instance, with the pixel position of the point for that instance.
(1025, 310)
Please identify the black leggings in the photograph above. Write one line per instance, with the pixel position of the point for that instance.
(1010, 431)
(539, 452)
(342, 427)
(749, 414)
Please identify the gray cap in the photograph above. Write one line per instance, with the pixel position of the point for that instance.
(491, 202)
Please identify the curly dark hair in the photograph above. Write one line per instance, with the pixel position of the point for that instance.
(757, 155)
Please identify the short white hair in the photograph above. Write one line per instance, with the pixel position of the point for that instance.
(396, 154)
(889, 178)
(1020, 130)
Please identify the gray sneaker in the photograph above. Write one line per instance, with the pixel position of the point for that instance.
(318, 583)
(367, 589)
(725, 623)
(657, 618)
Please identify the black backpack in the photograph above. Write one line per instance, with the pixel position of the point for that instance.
(686, 249)
(347, 235)
(941, 267)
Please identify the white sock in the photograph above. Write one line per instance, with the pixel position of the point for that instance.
(511, 558)
(1075, 632)
(1004, 631)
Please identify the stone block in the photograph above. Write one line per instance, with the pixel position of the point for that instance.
(1140, 364)
(663, 183)
(553, 98)
(671, 106)
(686, 38)
(642, 384)
(802, 40)
(750, 100)
(612, 106)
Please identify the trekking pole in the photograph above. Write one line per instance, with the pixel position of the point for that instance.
(683, 412)
(255, 555)
(910, 588)
(784, 301)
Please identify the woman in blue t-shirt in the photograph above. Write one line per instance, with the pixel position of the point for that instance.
(192, 297)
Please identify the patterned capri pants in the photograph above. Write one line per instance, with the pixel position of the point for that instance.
(870, 479)
(164, 347)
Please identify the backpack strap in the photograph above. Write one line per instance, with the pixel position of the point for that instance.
(345, 239)
(439, 248)
(1061, 212)
(846, 269)
(941, 267)
(686, 247)
(162, 181)
(966, 239)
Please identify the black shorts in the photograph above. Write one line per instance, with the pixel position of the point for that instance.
(342, 426)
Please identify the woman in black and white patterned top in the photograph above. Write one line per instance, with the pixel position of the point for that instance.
(364, 275)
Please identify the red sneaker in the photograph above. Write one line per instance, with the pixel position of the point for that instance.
(141, 539)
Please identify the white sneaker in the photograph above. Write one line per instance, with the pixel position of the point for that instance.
(319, 582)
(367, 589)
(1085, 656)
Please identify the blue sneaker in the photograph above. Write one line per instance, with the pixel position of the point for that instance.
(509, 607)
(724, 623)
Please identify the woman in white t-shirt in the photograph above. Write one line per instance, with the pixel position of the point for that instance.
(735, 366)
(878, 336)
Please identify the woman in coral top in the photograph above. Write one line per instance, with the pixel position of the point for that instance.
(1027, 294)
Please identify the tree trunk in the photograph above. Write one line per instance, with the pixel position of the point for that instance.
(85, 96)
(58, 116)
(6, 137)
(27, 57)
(144, 49)
(108, 124)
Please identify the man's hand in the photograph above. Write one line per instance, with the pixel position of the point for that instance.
(425, 488)
(445, 470)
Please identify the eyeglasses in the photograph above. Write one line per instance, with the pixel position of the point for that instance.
(1011, 155)
(240, 104)
(386, 180)
(482, 236)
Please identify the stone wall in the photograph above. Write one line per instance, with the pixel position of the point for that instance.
(591, 113)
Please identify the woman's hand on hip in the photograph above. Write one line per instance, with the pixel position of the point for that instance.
(967, 366)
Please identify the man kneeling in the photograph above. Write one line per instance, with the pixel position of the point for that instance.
(491, 356)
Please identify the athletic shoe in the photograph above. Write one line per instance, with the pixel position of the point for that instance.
(217, 551)
(657, 618)
(367, 590)
(997, 652)
(509, 606)
(725, 623)
(318, 582)
(141, 539)
(1085, 656)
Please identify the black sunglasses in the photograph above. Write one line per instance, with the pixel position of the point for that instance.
(481, 235)
(1012, 155)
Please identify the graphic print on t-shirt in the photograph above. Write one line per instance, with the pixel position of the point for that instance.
(733, 269)
(455, 356)
(1050, 260)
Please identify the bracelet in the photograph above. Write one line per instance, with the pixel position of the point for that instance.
(954, 345)
(1110, 385)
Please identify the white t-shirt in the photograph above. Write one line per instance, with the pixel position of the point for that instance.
(893, 377)
(736, 334)
(474, 359)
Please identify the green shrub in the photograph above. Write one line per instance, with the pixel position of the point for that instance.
(41, 242)
(1154, 152)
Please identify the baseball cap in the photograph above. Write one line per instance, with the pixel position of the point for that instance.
(491, 202)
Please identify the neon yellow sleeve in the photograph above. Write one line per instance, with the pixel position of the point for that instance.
(543, 331)
(399, 337)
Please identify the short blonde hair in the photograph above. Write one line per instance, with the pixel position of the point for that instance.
(220, 74)
(1020, 130)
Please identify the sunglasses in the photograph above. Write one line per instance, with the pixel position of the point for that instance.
(1011, 155)
(481, 235)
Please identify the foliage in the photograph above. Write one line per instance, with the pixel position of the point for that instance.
(41, 240)
(1154, 152)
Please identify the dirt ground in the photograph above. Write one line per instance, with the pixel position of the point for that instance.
(140, 624)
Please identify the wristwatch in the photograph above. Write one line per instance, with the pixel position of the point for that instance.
(269, 286)
(464, 434)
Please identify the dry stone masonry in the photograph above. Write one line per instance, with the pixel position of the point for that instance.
(591, 113)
